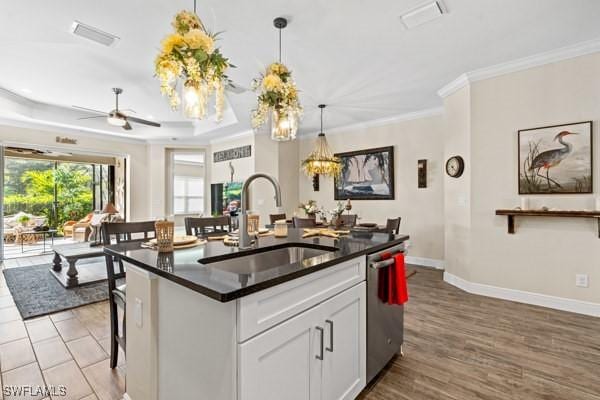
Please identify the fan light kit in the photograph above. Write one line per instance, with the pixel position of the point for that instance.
(116, 117)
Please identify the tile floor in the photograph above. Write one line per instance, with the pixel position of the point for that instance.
(68, 348)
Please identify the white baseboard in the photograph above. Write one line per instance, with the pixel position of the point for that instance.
(426, 262)
(126, 396)
(520, 296)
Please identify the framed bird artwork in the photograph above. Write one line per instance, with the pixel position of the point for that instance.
(556, 159)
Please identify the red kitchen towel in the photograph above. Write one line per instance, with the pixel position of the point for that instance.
(398, 289)
(383, 280)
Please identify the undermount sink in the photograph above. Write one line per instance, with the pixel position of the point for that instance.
(265, 259)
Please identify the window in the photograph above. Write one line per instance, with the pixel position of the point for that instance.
(188, 195)
(186, 176)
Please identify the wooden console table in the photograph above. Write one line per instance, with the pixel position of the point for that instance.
(511, 214)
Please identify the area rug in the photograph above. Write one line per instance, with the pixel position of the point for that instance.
(36, 291)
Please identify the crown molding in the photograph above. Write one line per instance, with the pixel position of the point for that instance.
(536, 60)
(428, 112)
(61, 129)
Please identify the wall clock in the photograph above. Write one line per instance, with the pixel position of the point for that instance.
(455, 166)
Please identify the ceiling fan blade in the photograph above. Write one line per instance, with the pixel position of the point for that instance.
(235, 88)
(142, 121)
(90, 110)
(96, 116)
(127, 127)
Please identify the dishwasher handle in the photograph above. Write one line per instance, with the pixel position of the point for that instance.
(384, 263)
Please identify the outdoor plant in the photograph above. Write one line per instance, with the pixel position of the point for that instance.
(32, 190)
(23, 219)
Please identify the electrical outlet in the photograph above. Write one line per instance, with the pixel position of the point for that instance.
(581, 280)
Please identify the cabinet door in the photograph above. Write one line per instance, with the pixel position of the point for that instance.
(344, 364)
(282, 363)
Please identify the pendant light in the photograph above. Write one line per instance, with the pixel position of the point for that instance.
(322, 161)
(189, 59)
(278, 97)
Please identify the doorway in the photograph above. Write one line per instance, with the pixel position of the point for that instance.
(49, 197)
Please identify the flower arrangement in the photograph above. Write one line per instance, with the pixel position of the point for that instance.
(277, 94)
(310, 207)
(337, 211)
(189, 54)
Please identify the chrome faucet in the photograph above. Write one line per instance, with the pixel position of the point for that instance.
(245, 240)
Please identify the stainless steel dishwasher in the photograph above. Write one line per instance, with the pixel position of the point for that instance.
(385, 323)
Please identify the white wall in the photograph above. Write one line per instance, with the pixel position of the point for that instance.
(244, 167)
(457, 191)
(279, 159)
(422, 210)
(138, 181)
(545, 253)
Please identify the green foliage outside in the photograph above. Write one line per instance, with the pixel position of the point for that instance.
(30, 187)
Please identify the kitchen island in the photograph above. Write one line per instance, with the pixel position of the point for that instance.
(284, 319)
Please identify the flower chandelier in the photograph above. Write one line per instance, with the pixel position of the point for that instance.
(189, 56)
(278, 98)
(322, 161)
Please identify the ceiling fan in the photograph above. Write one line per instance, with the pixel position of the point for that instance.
(116, 117)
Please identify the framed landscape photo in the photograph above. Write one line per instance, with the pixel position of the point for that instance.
(556, 159)
(366, 175)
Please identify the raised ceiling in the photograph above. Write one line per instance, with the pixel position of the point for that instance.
(353, 55)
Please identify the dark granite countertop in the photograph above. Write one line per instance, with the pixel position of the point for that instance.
(183, 266)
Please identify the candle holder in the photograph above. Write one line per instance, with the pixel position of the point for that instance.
(165, 232)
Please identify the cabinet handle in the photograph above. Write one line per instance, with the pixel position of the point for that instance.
(330, 348)
(321, 331)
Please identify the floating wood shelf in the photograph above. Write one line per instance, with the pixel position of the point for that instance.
(511, 214)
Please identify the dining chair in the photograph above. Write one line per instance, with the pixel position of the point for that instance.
(276, 217)
(114, 233)
(393, 225)
(348, 220)
(304, 222)
(206, 226)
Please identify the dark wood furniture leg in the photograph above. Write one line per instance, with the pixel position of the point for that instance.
(72, 273)
(511, 224)
(57, 261)
(114, 332)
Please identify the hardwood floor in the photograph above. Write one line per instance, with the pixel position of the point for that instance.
(457, 346)
(463, 346)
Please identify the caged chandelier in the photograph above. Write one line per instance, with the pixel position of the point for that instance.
(189, 56)
(278, 98)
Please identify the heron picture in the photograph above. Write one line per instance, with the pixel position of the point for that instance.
(366, 175)
(556, 159)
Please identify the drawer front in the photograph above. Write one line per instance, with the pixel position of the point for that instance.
(265, 309)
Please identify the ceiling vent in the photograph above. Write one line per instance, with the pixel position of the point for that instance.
(93, 34)
(425, 13)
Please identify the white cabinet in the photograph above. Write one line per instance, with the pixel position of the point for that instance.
(318, 354)
(281, 363)
(344, 363)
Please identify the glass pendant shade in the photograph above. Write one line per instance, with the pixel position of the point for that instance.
(284, 125)
(194, 104)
